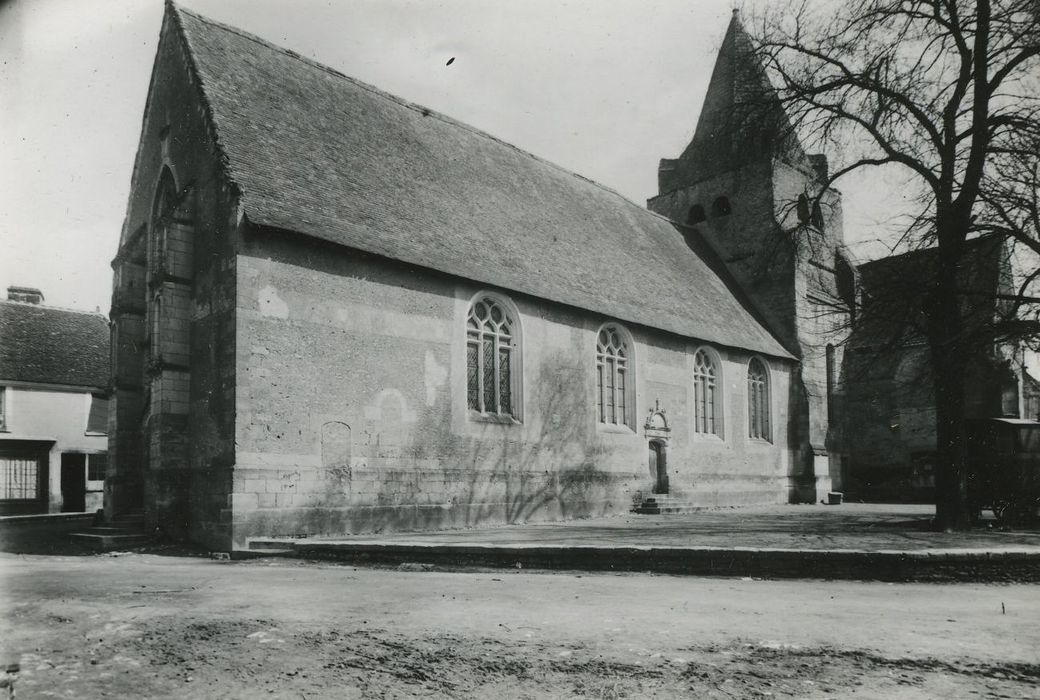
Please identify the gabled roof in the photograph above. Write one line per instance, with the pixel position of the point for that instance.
(48, 345)
(315, 152)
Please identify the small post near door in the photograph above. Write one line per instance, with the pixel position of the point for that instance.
(658, 433)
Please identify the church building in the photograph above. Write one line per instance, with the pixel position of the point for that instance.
(335, 311)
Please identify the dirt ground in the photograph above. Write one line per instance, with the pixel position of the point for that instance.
(149, 626)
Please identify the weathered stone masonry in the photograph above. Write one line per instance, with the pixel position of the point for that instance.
(339, 347)
(172, 413)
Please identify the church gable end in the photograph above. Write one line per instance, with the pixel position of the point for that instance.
(173, 312)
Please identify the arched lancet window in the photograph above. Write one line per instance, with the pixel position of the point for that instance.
(614, 387)
(817, 215)
(803, 209)
(696, 215)
(158, 228)
(721, 206)
(492, 358)
(758, 400)
(846, 282)
(162, 215)
(706, 405)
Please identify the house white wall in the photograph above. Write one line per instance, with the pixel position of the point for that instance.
(58, 417)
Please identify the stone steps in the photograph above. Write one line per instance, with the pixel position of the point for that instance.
(122, 532)
(272, 545)
(663, 503)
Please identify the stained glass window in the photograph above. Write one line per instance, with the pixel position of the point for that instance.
(705, 394)
(612, 367)
(758, 400)
(490, 361)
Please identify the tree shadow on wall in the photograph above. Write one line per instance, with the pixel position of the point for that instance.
(494, 476)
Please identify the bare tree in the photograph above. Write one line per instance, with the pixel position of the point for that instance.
(946, 91)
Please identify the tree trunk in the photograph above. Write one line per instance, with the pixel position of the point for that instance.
(951, 469)
(949, 362)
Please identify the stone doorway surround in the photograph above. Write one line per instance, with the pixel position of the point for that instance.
(658, 434)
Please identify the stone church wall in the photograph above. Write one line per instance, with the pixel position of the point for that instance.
(352, 417)
(172, 412)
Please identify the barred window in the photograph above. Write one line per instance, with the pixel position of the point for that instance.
(758, 400)
(705, 395)
(492, 358)
(613, 378)
(21, 476)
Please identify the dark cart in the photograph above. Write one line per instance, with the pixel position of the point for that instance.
(1004, 469)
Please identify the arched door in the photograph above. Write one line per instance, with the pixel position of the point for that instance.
(659, 466)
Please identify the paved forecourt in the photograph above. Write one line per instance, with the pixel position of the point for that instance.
(851, 541)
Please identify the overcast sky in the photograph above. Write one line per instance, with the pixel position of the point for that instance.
(602, 87)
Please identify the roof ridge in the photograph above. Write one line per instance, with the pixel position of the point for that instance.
(977, 240)
(52, 307)
(175, 12)
(408, 104)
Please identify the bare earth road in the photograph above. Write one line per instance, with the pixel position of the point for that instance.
(141, 625)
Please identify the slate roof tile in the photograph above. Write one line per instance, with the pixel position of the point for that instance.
(48, 345)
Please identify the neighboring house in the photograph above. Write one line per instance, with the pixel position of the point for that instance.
(54, 374)
(1030, 396)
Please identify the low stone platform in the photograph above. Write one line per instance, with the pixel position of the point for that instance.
(851, 541)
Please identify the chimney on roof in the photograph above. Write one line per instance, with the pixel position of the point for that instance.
(25, 294)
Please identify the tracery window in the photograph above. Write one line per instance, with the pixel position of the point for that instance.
(492, 362)
(705, 394)
(758, 400)
(613, 378)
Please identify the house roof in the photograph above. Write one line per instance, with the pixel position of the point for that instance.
(48, 345)
(316, 152)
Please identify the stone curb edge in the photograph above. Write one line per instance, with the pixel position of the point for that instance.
(950, 565)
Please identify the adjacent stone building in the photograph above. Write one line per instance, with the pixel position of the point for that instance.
(887, 372)
(54, 374)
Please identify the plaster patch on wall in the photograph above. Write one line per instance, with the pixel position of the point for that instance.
(434, 377)
(389, 401)
(271, 304)
(376, 321)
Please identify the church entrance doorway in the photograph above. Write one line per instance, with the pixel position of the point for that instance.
(659, 466)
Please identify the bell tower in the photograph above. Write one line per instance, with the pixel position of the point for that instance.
(746, 187)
